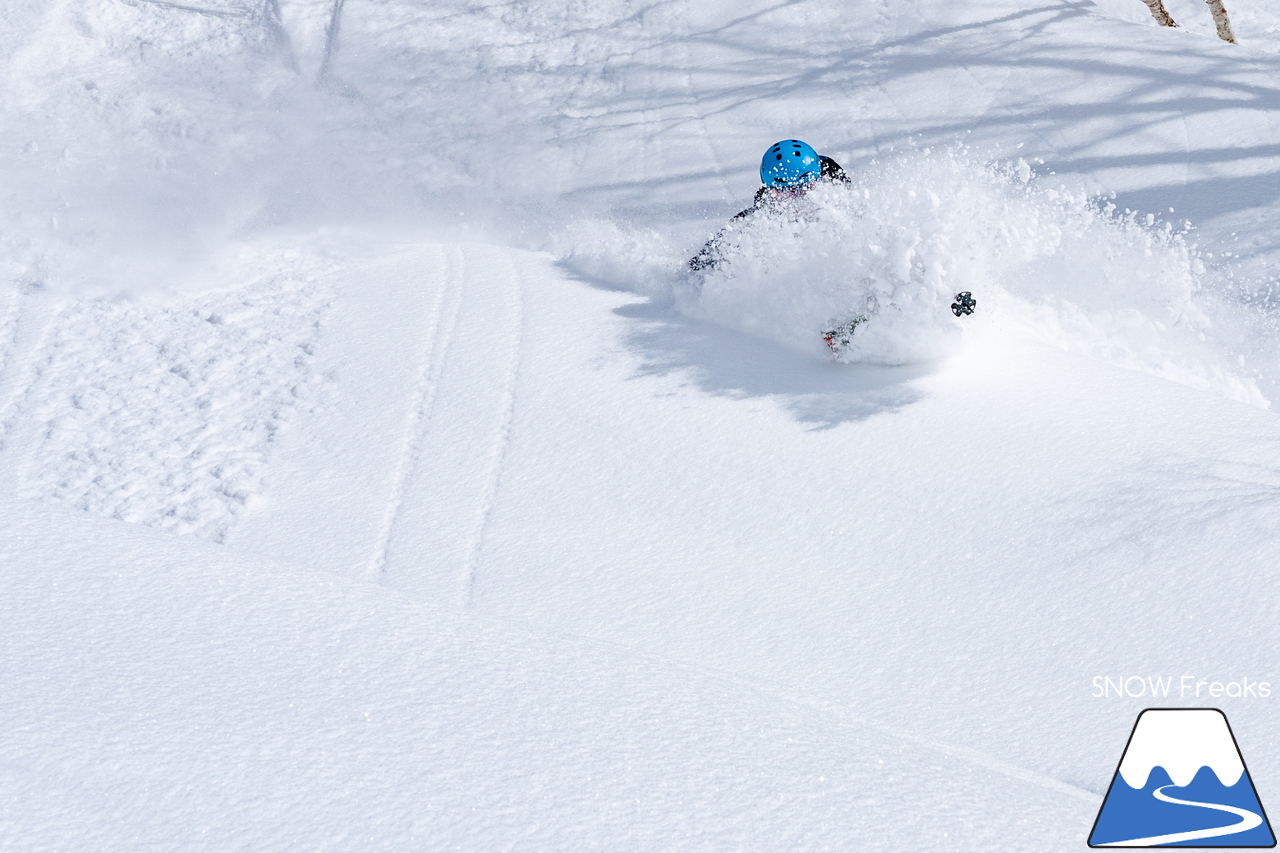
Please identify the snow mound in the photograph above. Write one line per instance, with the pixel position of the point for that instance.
(897, 244)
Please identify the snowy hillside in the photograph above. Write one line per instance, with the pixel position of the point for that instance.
(377, 477)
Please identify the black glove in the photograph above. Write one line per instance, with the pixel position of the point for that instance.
(964, 304)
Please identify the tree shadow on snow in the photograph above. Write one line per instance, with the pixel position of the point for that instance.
(1114, 103)
(727, 363)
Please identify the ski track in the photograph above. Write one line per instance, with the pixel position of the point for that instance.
(501, 442)
(847, 716)
(448, 301)
(449, 480)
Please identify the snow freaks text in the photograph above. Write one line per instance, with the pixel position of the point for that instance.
(1183, 687)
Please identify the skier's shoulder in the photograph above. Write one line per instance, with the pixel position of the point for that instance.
(831, 170)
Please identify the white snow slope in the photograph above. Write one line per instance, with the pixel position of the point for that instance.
(458, 517)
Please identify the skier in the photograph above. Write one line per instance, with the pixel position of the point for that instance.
(789, 169)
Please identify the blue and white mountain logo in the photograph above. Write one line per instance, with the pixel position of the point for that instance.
(1181, 783)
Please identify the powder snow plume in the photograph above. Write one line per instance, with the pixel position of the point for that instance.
(898, 243)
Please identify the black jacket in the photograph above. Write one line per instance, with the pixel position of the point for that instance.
(709, 256)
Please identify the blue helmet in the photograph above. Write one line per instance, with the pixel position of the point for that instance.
(790, 163)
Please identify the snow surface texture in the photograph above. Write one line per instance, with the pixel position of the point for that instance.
(159, 410)
(480, 523)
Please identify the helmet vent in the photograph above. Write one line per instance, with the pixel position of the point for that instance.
(777, 169)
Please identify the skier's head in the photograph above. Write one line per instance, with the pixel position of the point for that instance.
(790, 164)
